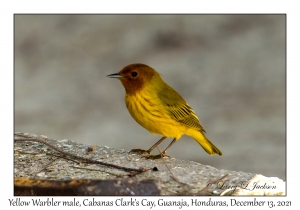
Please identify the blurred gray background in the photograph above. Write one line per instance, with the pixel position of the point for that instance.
(229, 68)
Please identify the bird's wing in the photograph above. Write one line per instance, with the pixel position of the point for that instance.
(186, 115)
(179, 110)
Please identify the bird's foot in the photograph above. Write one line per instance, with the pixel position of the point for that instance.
(147, 154)
(140, 151)
(155, 157)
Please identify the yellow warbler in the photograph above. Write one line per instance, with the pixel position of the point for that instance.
(159, 108)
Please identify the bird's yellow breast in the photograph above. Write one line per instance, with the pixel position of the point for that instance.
(147, 110)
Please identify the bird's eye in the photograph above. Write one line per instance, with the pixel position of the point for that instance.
(134, 74)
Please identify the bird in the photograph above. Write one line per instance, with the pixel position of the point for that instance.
(158, 108)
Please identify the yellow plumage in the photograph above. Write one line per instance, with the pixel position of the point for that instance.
(159, 108)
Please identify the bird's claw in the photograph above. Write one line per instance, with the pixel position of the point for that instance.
(155, 157)
(147, 155)
(140, 151)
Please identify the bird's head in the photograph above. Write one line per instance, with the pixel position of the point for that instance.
(135, 77)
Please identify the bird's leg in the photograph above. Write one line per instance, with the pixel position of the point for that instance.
(164, 152)
(141, 151)
(156, 144)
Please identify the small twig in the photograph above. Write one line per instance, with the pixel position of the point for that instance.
(43, 141)
(96, 169)
(220, 179)
(201, 192)
(46, 166)
(172, 175)
(63, 157)
(47, 153)
(27, 153)
(204, 190)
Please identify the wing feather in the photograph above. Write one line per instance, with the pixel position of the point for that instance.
(178, 109)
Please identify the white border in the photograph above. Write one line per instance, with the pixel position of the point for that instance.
(8, 8)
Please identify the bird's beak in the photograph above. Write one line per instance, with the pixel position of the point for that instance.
(116, 75)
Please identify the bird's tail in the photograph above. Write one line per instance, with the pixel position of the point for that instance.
(204, 142)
